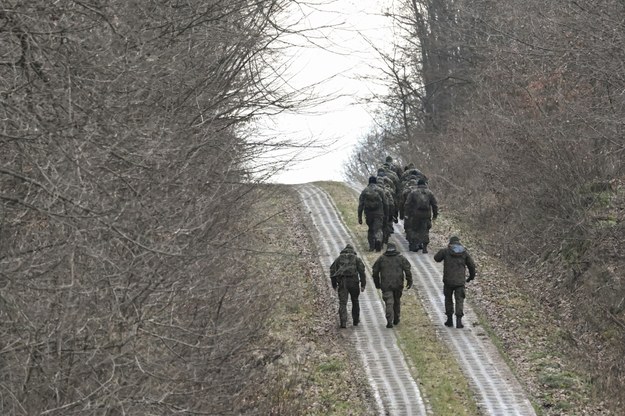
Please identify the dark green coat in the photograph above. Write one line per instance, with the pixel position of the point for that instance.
(389, 271)
(381, 211)
(348, 266)
(456, 260)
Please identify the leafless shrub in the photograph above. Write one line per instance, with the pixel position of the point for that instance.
(123, 179)
(516, 117)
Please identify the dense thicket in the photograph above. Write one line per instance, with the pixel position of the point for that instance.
(123, 174)
(515, 111)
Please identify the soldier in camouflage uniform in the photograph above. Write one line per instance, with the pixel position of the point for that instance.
(346, 272)
(412, 171)
(390, 173)
(394, 166)
(372, 201)
(456, 260)
(389, 272)
(387, 186)
(420, 209)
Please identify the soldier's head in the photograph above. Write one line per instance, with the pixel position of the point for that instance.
(390, 247)
(373, 179)
(348, 249)
(421, 181)
(389, 159)
(454, 240)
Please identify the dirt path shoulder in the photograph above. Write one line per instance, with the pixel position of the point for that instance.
(310, 369)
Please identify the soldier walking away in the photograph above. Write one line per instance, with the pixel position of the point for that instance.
(346, 272)
(394, 166)
(373, 203)
(456, 259)
(389, 272)
(387, 224)
(420, 209)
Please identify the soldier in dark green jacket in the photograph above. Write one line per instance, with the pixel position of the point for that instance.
(420, 209)
(345, 273)
(456, 260)
(372, 202)
(389, 272)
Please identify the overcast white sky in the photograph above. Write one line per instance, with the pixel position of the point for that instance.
(340, 62)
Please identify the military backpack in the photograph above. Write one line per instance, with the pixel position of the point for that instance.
(346, 265)
(419, 199)
(371, 198)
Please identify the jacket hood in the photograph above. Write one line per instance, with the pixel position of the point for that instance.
(348, 249)
(391, 250)
(457, 249)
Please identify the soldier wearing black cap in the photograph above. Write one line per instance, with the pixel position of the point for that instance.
(372, 201)
(456, 260)
(346, 272)
(420, 209)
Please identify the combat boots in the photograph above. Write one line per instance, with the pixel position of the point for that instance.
(459, 322)
(378, 245)
(449, 321)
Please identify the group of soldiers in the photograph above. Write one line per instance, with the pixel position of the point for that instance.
(399, 194)
(395, 194)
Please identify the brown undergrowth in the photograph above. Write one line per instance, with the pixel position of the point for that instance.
(309, 366)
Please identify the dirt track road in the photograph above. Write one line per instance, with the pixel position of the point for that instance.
(496, 390)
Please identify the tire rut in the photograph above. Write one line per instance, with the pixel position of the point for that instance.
(495, 388)
(395, 390)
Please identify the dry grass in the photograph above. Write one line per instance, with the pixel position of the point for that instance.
(310, 366)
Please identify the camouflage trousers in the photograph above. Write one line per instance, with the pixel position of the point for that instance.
(349, 287)
(392, 302)
(375, 232)
(422, 230)
(454, 293)
(417, 231)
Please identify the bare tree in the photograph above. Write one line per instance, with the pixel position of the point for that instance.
(124, 176)
(515, 117)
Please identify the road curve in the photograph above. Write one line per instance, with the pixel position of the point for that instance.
(496, 390)
(395, 390)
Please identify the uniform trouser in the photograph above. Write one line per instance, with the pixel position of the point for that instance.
(409, 227)
(387, 229)
(375, 222)
(454, 293)
(392, 301)
(349, 287)
(422, 230)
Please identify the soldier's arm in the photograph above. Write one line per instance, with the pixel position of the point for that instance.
(361, 206)
(375, 272)
(360, 266)
(333, 278)
(384, 202)
(471, 266)
(434, 204)
(439, 256)
(406, 266)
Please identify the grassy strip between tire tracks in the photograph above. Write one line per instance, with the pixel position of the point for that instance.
(440, 378)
